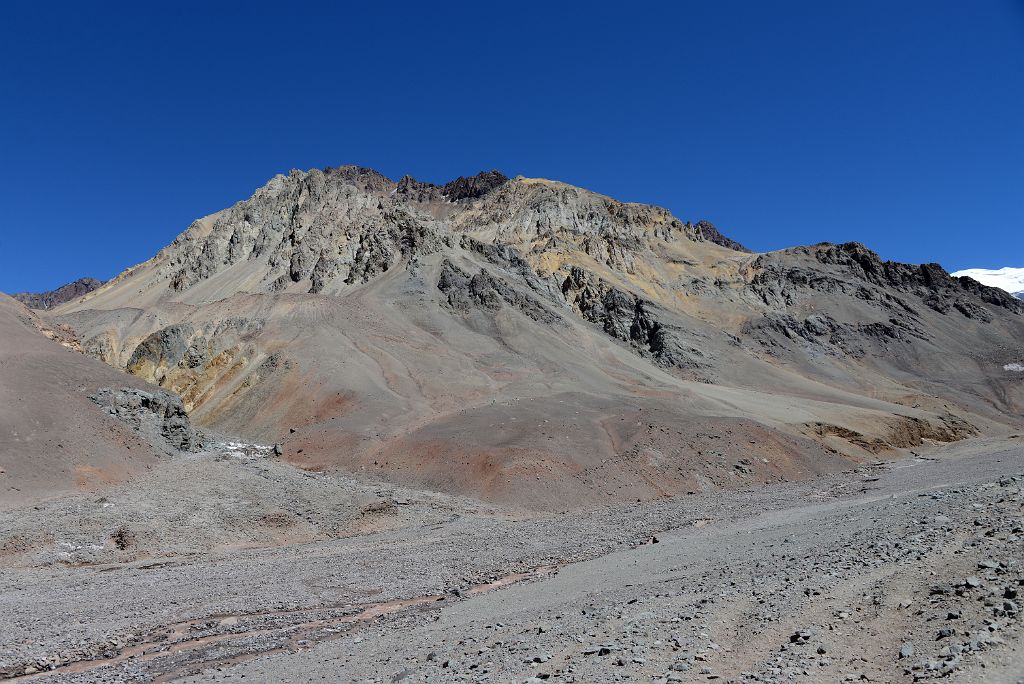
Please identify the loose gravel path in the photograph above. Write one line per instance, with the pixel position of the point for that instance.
(896, 572)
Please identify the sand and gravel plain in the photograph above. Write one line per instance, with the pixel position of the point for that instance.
(894, 571)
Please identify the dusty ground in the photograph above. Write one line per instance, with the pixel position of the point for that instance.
(226, 498)
(827, 580)
(53, 439)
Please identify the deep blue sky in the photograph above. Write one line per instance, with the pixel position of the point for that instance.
(898, 124)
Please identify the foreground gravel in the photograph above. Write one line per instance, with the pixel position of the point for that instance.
(900, 571)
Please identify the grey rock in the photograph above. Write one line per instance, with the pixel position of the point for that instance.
(705, 230)
(631, 319)
(801, 636)
(484, 290)
(158, 416)
(463, 188)
(1008, 608)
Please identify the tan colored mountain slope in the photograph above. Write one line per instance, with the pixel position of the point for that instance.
(537, 344)
(53, 438)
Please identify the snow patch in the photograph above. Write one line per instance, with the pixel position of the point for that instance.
(242, 450)
(1009, 279)
(1016, 367)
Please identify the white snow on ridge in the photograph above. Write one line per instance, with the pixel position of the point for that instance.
(1009, 279)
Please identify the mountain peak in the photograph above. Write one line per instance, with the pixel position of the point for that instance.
(462, 188)
(64, 293)
(327, 230)
(332, 298)
(472, 187)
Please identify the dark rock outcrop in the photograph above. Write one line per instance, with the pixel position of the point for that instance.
(774, 331)
(631, 319)
(922, 279)
(473, 186)
(169, 346)
(512, 261)
(851, 269)
(158, 416)
(484, 290)
(707, 231)
(418, 191)
(462, 188)
(64, 293)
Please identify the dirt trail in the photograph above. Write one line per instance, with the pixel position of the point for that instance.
(180, 638)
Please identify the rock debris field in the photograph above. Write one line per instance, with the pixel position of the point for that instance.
(896, 571)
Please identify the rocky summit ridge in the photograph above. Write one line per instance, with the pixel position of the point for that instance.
(325, 230)
(491, 332)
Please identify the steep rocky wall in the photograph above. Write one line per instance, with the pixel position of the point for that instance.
(631, 319)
